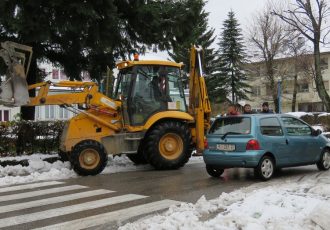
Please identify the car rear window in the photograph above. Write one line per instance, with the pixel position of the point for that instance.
(239, 125)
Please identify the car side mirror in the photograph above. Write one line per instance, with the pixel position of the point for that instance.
(316, 132)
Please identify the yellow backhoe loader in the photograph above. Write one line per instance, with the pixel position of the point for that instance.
(146, 118)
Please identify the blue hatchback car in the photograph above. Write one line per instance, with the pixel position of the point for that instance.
(264, 142)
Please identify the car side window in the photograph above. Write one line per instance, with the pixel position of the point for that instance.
(295, 127)
(270, 126)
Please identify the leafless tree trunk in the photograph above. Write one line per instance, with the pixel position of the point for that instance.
(266, 36)
(308, 17)
(295, 47)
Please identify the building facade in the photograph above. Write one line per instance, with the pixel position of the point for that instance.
(285, 70)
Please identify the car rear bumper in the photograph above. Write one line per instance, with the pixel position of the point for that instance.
(248, 159)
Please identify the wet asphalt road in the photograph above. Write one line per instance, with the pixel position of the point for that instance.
(187, 184)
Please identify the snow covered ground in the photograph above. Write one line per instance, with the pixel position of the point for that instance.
(292, 203)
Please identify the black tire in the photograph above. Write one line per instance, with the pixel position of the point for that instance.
(324, 163)
(266, 168)
(138, 158)
(160, 143)
(214, 171)
(88, 158)
(64, 156)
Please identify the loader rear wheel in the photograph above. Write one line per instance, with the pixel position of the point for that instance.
(88, 158)
(168, 145)
(138, 158)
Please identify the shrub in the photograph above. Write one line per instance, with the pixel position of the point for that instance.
(28, 137)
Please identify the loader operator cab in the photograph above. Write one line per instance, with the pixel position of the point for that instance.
(146, 89)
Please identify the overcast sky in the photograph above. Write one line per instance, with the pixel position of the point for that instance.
(243, 9)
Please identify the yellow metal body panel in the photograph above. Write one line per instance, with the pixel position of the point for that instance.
(160, 116)
(82, 127)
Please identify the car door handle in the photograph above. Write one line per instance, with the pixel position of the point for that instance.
(286, 141)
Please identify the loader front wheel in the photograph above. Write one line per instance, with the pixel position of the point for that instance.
(88, 158)
(168, 145)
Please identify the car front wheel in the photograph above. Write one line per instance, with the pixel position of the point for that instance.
(214, 171)
(265, 169)
(324, 163)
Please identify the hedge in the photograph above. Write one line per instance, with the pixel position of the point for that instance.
(28, 137)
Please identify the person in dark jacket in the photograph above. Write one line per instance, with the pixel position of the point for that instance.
(265, 108)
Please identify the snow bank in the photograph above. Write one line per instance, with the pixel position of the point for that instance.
(292, 205)
(299, 114)
(41, 170)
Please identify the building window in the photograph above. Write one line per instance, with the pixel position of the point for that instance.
(256, 91)
(269, 90)
(63, 75)
(324, 63)
(63, 113)
(4, 115)
(303, 87)
(326, 85)
(49, 111)
(55, 74)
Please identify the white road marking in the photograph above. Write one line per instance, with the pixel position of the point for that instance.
(10, 221)
(40, 192)
(52, 200)
(29, 186)
(105, 218)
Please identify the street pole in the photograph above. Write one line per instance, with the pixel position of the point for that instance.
(279, 95)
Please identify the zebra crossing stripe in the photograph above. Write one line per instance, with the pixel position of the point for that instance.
(40, 192)
(105, 218)
(52, 200)
(10, 221)
(29, 186)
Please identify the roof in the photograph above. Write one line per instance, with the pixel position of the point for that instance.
(125, 64)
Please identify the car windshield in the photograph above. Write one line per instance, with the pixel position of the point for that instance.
(237, 125)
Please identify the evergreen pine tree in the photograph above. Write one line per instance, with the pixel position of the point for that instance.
(91, 35)
(201, 35)
(230, 75)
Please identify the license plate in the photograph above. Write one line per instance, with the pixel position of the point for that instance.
(226, 147)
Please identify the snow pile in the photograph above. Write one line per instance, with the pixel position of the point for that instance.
(41, 170)
(323, 114)
(292, 205)
(299, 114)
(36, 171)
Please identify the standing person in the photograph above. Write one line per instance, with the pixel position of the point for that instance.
(265, 108)
(247, 109)
(232, 110)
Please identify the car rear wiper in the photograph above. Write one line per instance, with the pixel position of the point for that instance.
(224, 136)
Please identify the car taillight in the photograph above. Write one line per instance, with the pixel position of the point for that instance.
(252, 145)
(206, 144)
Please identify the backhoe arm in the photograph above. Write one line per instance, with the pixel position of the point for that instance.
(81, 93)
(199, 104)
(17, 58)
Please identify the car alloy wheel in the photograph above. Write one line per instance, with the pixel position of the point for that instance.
(324, 163)
(266, 168)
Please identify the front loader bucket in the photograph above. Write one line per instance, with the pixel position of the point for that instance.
(14, 89)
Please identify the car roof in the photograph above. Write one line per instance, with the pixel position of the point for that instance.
(259, 115)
